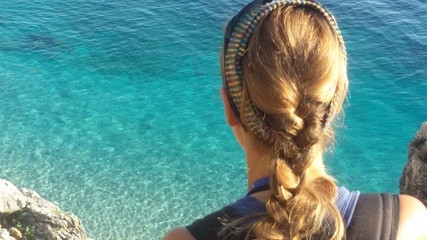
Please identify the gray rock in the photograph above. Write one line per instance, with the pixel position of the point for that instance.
(414, 177)
(30, 194)
(44, 219)
(11, 199)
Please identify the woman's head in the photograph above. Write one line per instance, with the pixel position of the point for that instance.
(280, 59)
(284, 69)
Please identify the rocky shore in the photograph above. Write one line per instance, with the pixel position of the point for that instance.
(25, 215)
(414, 176)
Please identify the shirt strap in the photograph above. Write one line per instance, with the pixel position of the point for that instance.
(259, 185)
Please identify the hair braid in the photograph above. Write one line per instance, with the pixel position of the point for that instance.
(294, 208)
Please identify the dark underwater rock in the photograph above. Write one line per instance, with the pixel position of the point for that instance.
(36, 42)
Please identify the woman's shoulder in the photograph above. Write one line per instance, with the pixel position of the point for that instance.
(179, 234)
(413, 217)
(387, 216)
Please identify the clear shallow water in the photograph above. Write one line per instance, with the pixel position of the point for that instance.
(112, 110)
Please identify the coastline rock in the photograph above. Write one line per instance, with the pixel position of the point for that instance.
(11, 198)
(29, 216)
(414, 177)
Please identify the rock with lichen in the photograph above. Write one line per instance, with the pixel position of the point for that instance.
(26, 215)
(414, 177)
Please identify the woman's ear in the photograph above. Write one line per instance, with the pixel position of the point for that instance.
(232, 120)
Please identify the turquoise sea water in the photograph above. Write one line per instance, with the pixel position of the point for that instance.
(111, 108)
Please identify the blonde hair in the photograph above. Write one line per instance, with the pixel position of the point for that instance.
(294, 73)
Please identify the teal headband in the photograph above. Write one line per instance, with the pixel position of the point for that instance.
(238, 33)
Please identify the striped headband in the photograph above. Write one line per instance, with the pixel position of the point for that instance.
(237, 35)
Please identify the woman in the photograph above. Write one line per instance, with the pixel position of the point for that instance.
(285, 79)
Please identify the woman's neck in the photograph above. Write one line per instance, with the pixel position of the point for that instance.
(259, 164)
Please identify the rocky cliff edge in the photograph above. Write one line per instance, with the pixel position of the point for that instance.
(25, 215)
(414, 176)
